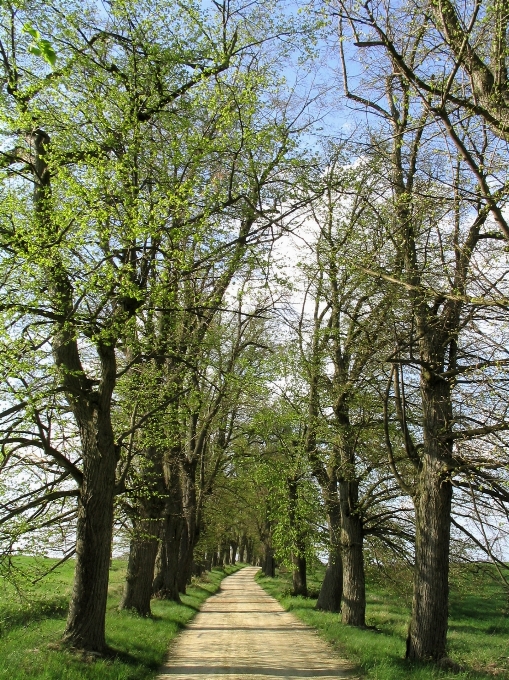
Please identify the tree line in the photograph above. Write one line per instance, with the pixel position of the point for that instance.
(231, 329)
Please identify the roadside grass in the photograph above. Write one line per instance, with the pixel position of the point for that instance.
(478, 625)
(32, 622)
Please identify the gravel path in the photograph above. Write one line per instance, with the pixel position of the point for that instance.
(244, 634)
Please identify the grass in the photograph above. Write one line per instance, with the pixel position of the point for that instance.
(478, 626)
(31, 624)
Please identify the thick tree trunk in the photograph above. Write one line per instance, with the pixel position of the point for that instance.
(331, 592)
(234, 546)
(299, 576)
(140, 568)
(269, 565)
(85, 627)
(165, 585)
(184, 560)
(428, 627)
(190, 532)
(250, 551)
(226, 554)
(147, 527)
(329, 598)
(353, 609)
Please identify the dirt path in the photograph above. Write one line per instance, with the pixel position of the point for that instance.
(244, 634)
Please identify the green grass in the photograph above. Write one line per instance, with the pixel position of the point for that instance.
(478, 626)
(32, 624)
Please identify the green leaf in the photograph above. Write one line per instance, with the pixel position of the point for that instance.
(28, 28)
(40, 47)
(33, 49)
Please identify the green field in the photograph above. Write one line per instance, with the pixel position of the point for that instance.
(32, 621)
(478, 625)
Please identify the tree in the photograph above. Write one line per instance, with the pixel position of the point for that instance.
(87, 240)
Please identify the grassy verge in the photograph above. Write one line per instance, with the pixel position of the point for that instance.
(478, 627)
(31, 625)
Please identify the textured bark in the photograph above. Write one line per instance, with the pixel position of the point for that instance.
(226, 554)
(165, 585)
(428, 627)
(353, 608)
(140, 567)
(243, 548)
(299, 576)
(190, 533)
(329, 598)
(331, 592)
(85, 628)
(268, 564)
(144, 544)
(184, 559)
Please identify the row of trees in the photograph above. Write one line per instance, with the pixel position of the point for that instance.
(166, 377)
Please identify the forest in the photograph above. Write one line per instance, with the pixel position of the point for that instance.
(254, 298)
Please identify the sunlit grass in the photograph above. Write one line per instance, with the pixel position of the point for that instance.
(478, 626)
(32, 622)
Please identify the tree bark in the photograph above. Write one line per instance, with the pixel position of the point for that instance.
(268, 565)
(165, 585)
(190, 533)
(299, 576)
(140, 567)
(234, 546)
(147, 527)
(85, 628)
(428, 627)
(331, 592)
(353, 608)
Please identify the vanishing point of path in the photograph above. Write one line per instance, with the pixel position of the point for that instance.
(244, 634)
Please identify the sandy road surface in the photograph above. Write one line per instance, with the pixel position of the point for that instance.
(244, 634)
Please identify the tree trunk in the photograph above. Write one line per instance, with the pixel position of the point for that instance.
(250, 551)
(269, 566)
(85, 628)
(299, 576)
(234, 546)
(140, 568)
(243, 548)
(331, 592)
(428, 627)
(299, 561)
(147, 526)
(191, 532)
(353, 609)
(165, 585)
